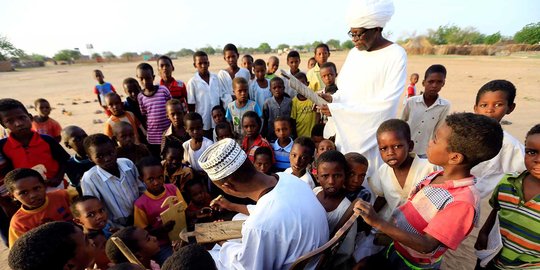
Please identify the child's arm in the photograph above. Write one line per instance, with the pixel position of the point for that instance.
(483, 234)
(379, 203)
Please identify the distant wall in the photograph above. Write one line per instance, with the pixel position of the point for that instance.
(5, 66)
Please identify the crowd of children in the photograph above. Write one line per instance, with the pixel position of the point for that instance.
(423, 200)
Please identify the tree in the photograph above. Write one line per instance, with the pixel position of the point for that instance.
(208, 50)
(96, 55)
(333, 44)
(264, 48)
(67, 55)
(185, 52)
(283, 46)
(529, 34)
(7, 49)
(493, 38)
(452, 34)
(129, 55)
(347, 44)
(109, 55)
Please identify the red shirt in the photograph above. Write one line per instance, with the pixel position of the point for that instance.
(178, 90)
(259, 142)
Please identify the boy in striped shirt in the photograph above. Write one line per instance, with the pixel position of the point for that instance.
(443, 208)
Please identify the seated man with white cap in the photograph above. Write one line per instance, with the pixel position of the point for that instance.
(286, 223)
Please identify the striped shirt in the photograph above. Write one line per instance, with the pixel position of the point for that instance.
(129, 118)
(281, 154)
(153, 107)
(446, 212)
(520, 224)
(117, 193)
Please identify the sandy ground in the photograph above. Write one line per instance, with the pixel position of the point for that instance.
(62, 85)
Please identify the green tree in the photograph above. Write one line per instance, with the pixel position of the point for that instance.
(96, 56)
(283, 46)
(37, 57)
(493, 38)
(109, 55)
(185, 52)
(208, 49)
(529, 34)
(67, 55)
(347, 44)
(264, 48)
(452, 34)
(333, 43)
(7, 49)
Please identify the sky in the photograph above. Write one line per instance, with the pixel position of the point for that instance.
(46, 27)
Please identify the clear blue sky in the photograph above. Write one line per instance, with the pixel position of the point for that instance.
(46, 27)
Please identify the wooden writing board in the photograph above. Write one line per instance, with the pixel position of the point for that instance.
(215, 231)
(176, 213)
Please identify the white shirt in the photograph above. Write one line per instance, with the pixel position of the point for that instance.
(225, 79)
(258, 94)
(370, 85)
(508, 160)
(117, 194)
(424, 120)
(192, 156)
(306, 177)
(385, 184)
(286, 223)
(205, 96)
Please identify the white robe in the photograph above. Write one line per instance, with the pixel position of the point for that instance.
(225, 79)
(285, 224)
(509, 160)
(205, 96)
(370, 85)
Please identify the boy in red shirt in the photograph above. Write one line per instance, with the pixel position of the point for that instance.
(176, 87)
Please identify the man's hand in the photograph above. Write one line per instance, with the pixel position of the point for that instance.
(323, 109)
(367, 213)
(326, 97)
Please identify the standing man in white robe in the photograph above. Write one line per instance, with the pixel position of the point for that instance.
(287, 222)
(370, 82)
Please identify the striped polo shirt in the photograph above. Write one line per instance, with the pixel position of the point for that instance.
(281, 155)
(154, 108)
(519, 222)
(446, 212)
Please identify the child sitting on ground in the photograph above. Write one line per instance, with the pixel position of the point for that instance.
(127, 146)
(259, 89)
(176, 131)
(283, 145)
(328, 75)
(443, 208)
(111, 177)
(148, 207)
(278, 105)
(132, 90)
(175, 172)
(42, 123)
(152, 102)
(251, 123)
(263, 160)
(37, 207)
(237, 108)
(101, 89)
(302, 153)
(515, 202)
(194, 147)
(224, 130)
(302, 111)
(143, 245)
(271, 67)
(79, 162)
(88, 212)
(118, 114)
(495, 99)
(424, 113)
(197, 211)
(333, 171)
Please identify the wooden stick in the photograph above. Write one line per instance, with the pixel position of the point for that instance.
(302, 89)
(125, 250)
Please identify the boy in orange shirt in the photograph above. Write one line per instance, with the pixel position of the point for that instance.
(42, 123)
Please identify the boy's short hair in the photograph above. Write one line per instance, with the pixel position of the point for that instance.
(165, 57)
(230, 47)
(477, 137)
(437, 68)
(17, 174)
(248, 56)
(533, 131)
(395, 125)
(329, 65)
(223, 125)
(218, 107)
(121, 125)
(239, 81)
(49, 246)
(498, 85)
(199, 54)
(8, 104)
(293, 54)
(96, 140)
(301, 75)
(263, 151)
(192, 116)
(145, 66)
(113, 94)
(148, 161)
(191, 257)
(259, 63)
(277, 79)
(273, 57)
(282, 118)
(67, 131)
(306, 142)
(97, 71)
(333, 156)
(356, 158)
(254, 115)
(317, 130)
(173, 101)
(38, 101)
(172, 144)
(322, 45)
(130, 80)
(193, 182)
(80, 199)
(126, 235)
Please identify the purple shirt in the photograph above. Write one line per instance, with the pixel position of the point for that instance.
(153, 107)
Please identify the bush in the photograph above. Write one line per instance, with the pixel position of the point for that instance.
(529, 34)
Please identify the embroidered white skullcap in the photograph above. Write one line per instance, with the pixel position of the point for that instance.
(222, 159)
(369, 13)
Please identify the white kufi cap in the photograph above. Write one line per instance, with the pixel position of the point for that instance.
(222, 159)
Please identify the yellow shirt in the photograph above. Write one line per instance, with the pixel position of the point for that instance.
(314, 77)
(302, 112)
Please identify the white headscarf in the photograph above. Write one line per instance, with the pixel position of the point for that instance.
(369, 13)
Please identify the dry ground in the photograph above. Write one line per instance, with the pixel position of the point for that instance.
(466, 74)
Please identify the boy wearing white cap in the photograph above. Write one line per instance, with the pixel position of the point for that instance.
(286, 209)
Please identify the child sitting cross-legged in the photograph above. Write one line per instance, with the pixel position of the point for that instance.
(143, 245)
(443, 208)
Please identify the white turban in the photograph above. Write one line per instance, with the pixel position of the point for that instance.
(369, 13)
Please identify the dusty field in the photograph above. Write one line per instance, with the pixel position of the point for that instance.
(466, 74)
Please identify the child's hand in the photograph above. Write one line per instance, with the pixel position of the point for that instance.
(204, 213)
(367, 212)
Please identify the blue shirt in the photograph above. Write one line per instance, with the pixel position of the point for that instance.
(281, 155)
